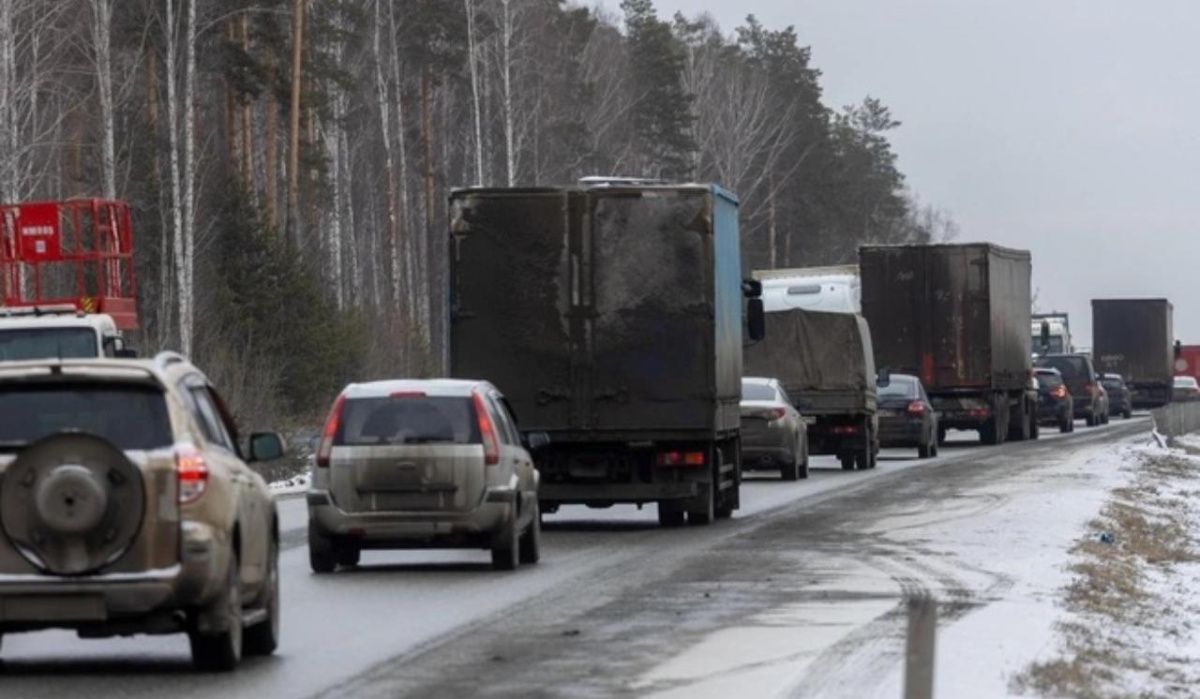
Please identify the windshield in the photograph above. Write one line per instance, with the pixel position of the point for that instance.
(1055, 346)
(899, 387)
(757, 391)
(47, 343)
(408, 420)
(131, 417)
(1185, 382)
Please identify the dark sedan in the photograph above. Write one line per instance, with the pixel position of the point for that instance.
(1120, 401)
(906, 417)
(1055, 404)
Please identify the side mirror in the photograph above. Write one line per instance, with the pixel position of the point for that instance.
(884, 378)
(266, 446)
(1178, 348)
(756, 320)
(114, 346)
(751, 288)
(537, 440)
(1045, 336)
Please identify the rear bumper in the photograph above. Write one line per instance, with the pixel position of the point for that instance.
(432, 529)
(900, 431)
(765, 458)
(148, 601)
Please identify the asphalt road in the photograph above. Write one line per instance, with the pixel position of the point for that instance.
(445, 624)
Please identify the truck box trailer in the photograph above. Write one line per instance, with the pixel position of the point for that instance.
(612, 319)
(825, 363)
(1136, 339)
(957, 316)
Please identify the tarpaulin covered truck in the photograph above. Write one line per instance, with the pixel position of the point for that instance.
(611, 315)
(825, 363)
(957, 316)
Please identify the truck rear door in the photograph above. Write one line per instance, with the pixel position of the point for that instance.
(959, 353)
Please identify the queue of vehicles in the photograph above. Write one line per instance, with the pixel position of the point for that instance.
(604, 348)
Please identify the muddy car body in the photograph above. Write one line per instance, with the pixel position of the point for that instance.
(127, 508)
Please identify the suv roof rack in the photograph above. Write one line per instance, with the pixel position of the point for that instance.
(166, 358)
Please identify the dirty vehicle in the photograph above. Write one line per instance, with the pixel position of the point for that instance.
(1055, 404)
(834, 289)
(58, 332)
(611, 314)
(1087, 394)
(957, 316)
(906, 416)
(127, 507)
(824, 362)
(774, 436)
(1185, 389)
(422, 464)
(1119, 399)
(1136, 339)
(1052, 333)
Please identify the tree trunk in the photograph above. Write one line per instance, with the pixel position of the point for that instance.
(506, 35)
(247, 118)
(293, 193)
(427, 261)
(383, 101)
(271, 183)
(473, 64)
(187, 288)
(101, 37)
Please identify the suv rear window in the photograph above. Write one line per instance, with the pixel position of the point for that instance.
(1069, 367)
(47, 343)
(1047, 379)
(131, 417)
(408, 420)
(899, 387)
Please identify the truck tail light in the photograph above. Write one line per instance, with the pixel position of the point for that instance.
(487, 432)
(680, 458)
(191, 473)
(916, 407)
(329, 432)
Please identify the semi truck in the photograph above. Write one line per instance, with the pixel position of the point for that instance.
(612, 316)
(958, 317)
(1136, 339)
(1051, 333)
(826, 365)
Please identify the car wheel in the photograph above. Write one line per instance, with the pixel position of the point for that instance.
(347, 555)
(924, 450)
(1127, 414)
(847, 461)
(221, 651)
(1091, 419)
(669, 516)
(804, 465)
(790, 471)
(322, 556)
(263, 637)
(1035, 430)
(935, 449)
(1066, 424)
(506, 547)
(531, 540)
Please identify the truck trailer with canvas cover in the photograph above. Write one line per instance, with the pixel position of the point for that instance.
(825, 363)
(1136, 339)
(957, 316)
(612, 318)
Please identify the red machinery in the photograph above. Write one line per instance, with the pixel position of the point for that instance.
(77, 252)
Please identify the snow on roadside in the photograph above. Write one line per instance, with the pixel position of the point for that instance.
(1015, 559)
(1127, 625)
(290, 486)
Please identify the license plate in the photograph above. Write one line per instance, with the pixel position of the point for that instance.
(52, 608)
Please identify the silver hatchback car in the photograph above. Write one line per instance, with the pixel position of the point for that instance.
(422, 464)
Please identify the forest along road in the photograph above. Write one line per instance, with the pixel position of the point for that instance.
(616, 605)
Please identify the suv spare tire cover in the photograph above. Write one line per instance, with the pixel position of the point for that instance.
(71, 503)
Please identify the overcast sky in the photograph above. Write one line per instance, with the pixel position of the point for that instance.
(1067, 127)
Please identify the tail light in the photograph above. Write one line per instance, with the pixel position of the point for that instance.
(1059, 391)
(487, 432)
(680, 458)
(1088, 388)
(916, 407)
(844, 429)
(772, 414)
(191, 473)
(325, 448)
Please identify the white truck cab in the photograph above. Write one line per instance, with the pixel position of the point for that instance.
(28, 332)
(835, 289)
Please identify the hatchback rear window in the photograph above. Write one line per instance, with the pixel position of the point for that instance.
(1069, 367)
(757, 391)
(413, 419)
(47, 343)
(131, 417)
(899, 387)
(1112, 384)
(1049, 380)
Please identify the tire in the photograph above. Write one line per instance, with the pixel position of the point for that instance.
(804, 465)
(669, 516)
(530, 548)
(1018, 425)
(941, 435)
(925, 451)
(988, 433)
(1066, 425)
(935, 448)
(847, 462)
(221, 651)
(1127, 414)
(791, 471)
(322, 556)
(1091, 419)
(506, 547)
(705, 516)
(347, 555)
(1035, 430)
(263, 637)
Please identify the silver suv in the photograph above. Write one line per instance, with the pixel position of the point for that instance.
(422, 464)
(127, 506)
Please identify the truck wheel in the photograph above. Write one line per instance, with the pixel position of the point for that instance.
(847, 460)
(669, 515)
(1035, 430)
(1018, 424)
